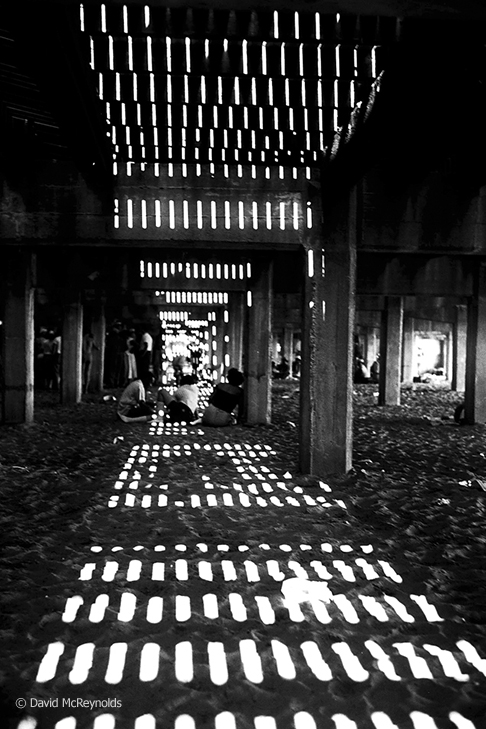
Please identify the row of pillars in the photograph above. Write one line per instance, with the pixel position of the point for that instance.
(453, 353)
(18, 342)
(325, 436)
(327, 327)
(468, 353)
(245, 338)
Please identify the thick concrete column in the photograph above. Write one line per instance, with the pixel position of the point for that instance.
(226, 340)
(391, 351)
(475, 392)
(258, 343)
(213, 347)
(236, 311)
(449, 356)
(327, 338)
(408, 350)
(288, 344)
(220, 346)
(459, 340)
(98, 327)
(71, 351)
(18, 339)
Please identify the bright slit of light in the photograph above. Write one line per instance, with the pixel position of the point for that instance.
(460, 721)
(218, 669)
(83, 662)
(116, 663)
(265, 722)
(418, 665)
(71, 608)
(128, 603)
(350, 662)
(448, 662)
(98, 608)
(343, 722)
(252, 664)
(285, 665)
(428, 610)
(422, 721)
(183, 662)
(244, 49)
(373, 62)
(28, 722)
(315, 661)
(48, 666)
(310, 263)
(155, 609)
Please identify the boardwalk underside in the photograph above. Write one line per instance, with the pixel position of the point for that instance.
(190, 578)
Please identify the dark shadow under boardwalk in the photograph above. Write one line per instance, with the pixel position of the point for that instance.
(190, 578)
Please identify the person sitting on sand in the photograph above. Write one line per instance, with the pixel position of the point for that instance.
(182, 405)
(132, 407)
(225, 398)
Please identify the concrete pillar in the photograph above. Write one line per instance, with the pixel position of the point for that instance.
(475, 392)
(459, 340)
(236, 312)
(391, 351)
(327, 338)
(226, 341)
(219, 341)
(211, 347)
(258, 343)
(408, 360)
(448, 355)
(288, 344)
(18, 337)
(71, 351)
(98, 327)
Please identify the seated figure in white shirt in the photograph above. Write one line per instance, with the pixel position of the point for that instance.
(182, 405)
(132, 407)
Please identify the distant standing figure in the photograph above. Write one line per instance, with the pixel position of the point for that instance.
(89, 345)
(375, 371)
(49, 361)
(39, 364)
(283, 368)
(56, 354)
(178, 363)
(195, 360)
(132, 407)
(114, 357)
(157, 358)
(144, 363)
(224, 400)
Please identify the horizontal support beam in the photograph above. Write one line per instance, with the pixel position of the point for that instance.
(398, 8)
(415, 275)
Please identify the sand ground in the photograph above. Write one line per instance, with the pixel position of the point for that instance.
(192, 578)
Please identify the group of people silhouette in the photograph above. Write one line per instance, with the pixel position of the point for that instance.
(225, 405)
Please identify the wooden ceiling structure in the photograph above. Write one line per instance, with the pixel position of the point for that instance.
(223, 83)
